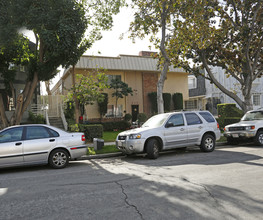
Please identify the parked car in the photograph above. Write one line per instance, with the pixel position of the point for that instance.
(171, 130)
(39, 144)
(250, 128)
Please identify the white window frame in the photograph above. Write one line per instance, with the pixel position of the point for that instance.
(256, 99)
(192, 82)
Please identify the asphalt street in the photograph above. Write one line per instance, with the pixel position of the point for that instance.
(224, 184)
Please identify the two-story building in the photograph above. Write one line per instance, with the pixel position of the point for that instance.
(141, 73)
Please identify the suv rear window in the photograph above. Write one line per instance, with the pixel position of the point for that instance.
(207, 116)
(192, 119)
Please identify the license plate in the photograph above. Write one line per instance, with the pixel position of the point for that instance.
(235, 135)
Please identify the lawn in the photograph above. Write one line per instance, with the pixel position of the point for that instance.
(105, 150)
(110, 136)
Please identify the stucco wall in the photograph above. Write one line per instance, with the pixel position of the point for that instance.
(177, 82)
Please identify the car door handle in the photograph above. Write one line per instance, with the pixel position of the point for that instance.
(51, 140)
(18, 143)
(182, 129)
(200, 127)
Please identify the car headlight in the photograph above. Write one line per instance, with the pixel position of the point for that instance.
(250, 127)
(135, 136)
(225, 129)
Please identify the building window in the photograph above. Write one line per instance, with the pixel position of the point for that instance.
(111, 111)
(256, 99)
(191, 105)
(192, 82)
(112, 77)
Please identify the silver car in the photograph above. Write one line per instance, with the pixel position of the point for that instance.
(171, 130)
(39, 144)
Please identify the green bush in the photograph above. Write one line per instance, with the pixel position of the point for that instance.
(116, 125)
(228, 114)
(153, 100)
(142, 118)
(36, 118)
(167, 101)
(127, 117)
(178, 101)
(69, 111)
(90, 131)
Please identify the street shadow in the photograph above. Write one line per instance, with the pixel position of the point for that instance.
(104, 189)
(193, 155)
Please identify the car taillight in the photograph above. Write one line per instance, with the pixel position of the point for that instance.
(83, 138)
(217, 125)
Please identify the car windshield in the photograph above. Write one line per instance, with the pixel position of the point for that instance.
(156, 121)
(251, 116)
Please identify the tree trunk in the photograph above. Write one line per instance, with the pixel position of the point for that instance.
(75, 96)
(246, 88)
(2, 113)
(22, 102)
(166, 62)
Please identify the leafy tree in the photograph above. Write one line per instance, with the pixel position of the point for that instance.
(60, 28)
(221, 33)
(121, 89)
(88, 89)
(155, 18)
(203, 34)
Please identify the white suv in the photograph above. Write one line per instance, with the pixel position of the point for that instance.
(249, 128)
(171, 130)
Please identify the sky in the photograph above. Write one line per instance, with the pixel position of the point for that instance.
(111, 45)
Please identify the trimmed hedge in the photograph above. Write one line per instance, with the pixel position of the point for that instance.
(90, 131)
(178, 101)
(116, 125)
(167, 102)
(228, 114)
(153, 99)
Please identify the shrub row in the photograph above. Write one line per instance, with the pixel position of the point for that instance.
(90, 131)
(167, 98)
(116, 125)
(228, 114)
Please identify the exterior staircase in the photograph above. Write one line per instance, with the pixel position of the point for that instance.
(56, 122)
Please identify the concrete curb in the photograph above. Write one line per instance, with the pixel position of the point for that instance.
(118, 154)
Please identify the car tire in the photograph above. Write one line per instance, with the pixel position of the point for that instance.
(259, 138)
(58, 159)
(152, 148)
(208, 143)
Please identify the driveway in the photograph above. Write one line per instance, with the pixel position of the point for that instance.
(224, 184)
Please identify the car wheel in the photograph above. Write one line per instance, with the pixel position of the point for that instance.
(259, 138)
(58, 159)
(152, 149)
(208, 143)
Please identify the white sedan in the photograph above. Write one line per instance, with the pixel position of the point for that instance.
(39, 144)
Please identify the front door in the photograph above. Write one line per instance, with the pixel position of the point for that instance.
(135, 112)
(11, 147)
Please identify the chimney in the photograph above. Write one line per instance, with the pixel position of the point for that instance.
(146, 53)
